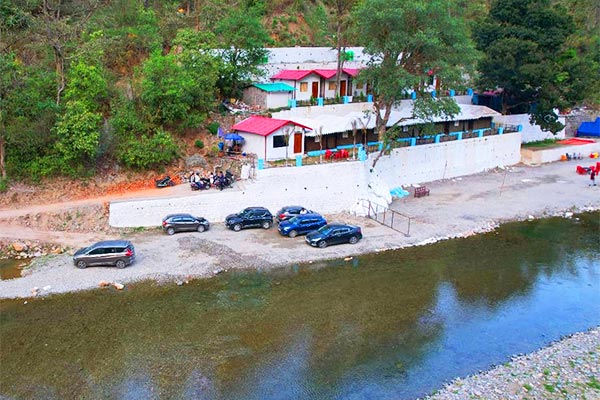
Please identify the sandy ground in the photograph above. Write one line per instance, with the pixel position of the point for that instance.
(455, 208)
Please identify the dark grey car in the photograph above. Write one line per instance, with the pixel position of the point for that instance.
(119, 253)
(184, 223)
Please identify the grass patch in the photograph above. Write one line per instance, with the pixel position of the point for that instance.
(540, 144)
(593, 383)
(550, 387)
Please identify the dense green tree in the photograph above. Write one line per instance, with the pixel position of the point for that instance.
(87, 83)
(242, 39)
(78, 135)
(406, 39)
(528, 59)
(148, 151)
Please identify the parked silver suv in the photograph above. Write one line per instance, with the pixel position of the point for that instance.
(119, 253)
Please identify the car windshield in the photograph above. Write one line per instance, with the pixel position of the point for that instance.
(324, 229)
(293, 220)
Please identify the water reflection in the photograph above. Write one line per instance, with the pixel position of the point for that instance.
(390, 325)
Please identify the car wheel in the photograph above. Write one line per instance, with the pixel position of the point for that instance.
(353, 240)
(322, 244)
(201, 228)
(266, 225)
(170, 231)
(120, 264)
(81, 264)
(237, 227)
(293, 234)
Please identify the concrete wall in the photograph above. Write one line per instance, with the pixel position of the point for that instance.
(530, 133)
(430, 162)
(278, 99)
(331, 187)
(540, 156)
(326, 188)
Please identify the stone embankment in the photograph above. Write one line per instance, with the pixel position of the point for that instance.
(568, 369)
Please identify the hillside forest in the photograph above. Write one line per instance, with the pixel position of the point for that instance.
(86, 84)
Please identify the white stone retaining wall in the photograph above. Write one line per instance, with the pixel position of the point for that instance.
(530, 133)
(540, 156)
(426, 163)
(332, 187)
(327, 188)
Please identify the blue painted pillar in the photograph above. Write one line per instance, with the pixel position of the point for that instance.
(413, 141)
(362, 155)
(437, 137)
(470, 92)
(292, 103)
(320, 101)
(459, 136)
(380, 146)
(433, 93)
(413, 95)
(519, 128)
(452, 92)
(298, 161)
(369, 98)
(346, 100)
(500, 130)
(261, 163)
(480, 133)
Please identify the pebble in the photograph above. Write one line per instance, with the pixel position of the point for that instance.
(568, 365)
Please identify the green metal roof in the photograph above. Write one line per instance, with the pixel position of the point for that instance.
(274, 87)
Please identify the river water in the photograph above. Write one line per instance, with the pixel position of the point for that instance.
(393, 325)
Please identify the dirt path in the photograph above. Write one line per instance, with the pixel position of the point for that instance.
(456, 208)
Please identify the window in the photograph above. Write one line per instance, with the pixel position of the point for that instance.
(405, 128)
(317, 139)
(279, 141)
(456, 123)
(304, 86)
(331, 86)
(345, 135)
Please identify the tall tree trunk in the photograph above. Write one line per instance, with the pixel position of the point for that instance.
(59, 63)
(340, 57)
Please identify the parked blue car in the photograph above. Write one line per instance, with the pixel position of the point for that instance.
(334, 234)
(301, 224)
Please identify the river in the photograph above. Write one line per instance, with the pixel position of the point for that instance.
(391, 325)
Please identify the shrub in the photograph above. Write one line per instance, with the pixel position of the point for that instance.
(213, 128)
(3, 185)
(148, 152)
(199, 144)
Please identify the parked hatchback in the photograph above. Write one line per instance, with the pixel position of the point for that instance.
(251, 217)
(334, 234)
(119, 253)
(301, 224)
(184, 223)
(289, 212)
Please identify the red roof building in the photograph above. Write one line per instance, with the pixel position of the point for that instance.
(320, 83)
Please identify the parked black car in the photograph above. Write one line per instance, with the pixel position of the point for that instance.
(119, 253)
(250, 217)
(184, 223)
(334, 234)
(301, 224)
(288, 212)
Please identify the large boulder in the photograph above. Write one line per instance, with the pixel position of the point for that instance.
(195, 160)
(19, 247)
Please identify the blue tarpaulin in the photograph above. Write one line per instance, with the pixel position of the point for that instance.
(589, 128)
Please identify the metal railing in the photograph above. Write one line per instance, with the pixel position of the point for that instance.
(387, 217)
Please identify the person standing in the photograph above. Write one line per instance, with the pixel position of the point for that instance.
(593, 177)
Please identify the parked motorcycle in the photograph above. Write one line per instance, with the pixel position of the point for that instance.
(225, 182)
(164, 182)
(202, 184)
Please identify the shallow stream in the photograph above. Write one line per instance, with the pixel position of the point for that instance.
(392, 325)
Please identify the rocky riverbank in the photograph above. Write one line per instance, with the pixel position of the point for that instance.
(568, 369)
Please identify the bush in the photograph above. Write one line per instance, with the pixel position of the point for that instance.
(148, 152)
(199, 144)
(3, 185)
(213, 128)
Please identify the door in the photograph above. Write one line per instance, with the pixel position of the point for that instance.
(297, 143)
(188, 224)
(315, 89)
(342, 88)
